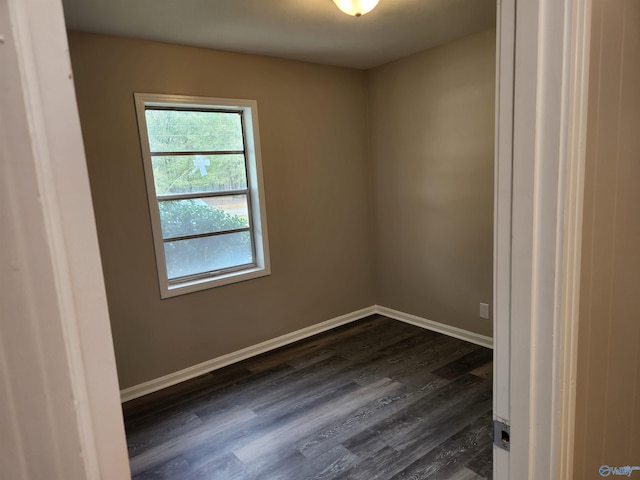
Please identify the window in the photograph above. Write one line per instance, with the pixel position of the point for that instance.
(202, 167)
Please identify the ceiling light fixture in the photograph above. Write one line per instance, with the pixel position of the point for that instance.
(356, 8)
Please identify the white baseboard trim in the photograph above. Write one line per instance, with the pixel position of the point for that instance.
(237, 356)
(455, 332)
(233, 357)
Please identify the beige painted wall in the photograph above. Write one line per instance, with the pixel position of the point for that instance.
(608, 387)
(431, 139)
(313, 138)
(432, 144)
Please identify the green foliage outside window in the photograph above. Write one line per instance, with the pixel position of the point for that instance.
(198, 134)
(192, 131)
(188, 131)
(182, 174)
(190, 217)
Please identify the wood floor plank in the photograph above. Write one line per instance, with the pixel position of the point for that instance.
(409, 435)
(263, 391)
(365, 444)
(444, 460)
(224, 467)
(484, 371)
(333, 462)
(417, 364)
(166, 427)
(482, 464)
(150, 406)
(465, 364)
(416, 358)
(283, 467)
(320, 417)
(440, 418)
(381, 466)
(369, 400)
(393, 428)
(261, 426)
(343, 338)
(189, 401)
(466, 474)
(165, 450)
(176, 467)
(370, 415)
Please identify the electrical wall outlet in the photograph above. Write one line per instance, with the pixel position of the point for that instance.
(484, 310)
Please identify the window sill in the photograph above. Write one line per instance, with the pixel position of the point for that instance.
(218, 281)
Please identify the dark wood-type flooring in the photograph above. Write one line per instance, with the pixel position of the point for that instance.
(376, 399)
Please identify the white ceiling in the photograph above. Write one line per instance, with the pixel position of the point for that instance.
(308, 30)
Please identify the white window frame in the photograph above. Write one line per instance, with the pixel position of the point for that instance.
(255, 187)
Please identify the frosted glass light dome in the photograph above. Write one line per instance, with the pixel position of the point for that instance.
(356, 7)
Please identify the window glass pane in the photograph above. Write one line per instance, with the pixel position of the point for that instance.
(182, 131)
(180, 218)
(190, 257)
(198, 173)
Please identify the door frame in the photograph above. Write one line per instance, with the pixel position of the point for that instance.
(541, 116)
(57, 365)
(542, 82)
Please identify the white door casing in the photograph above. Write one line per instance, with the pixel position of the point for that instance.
(60, 416)
(537, 231)
(505, 47)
